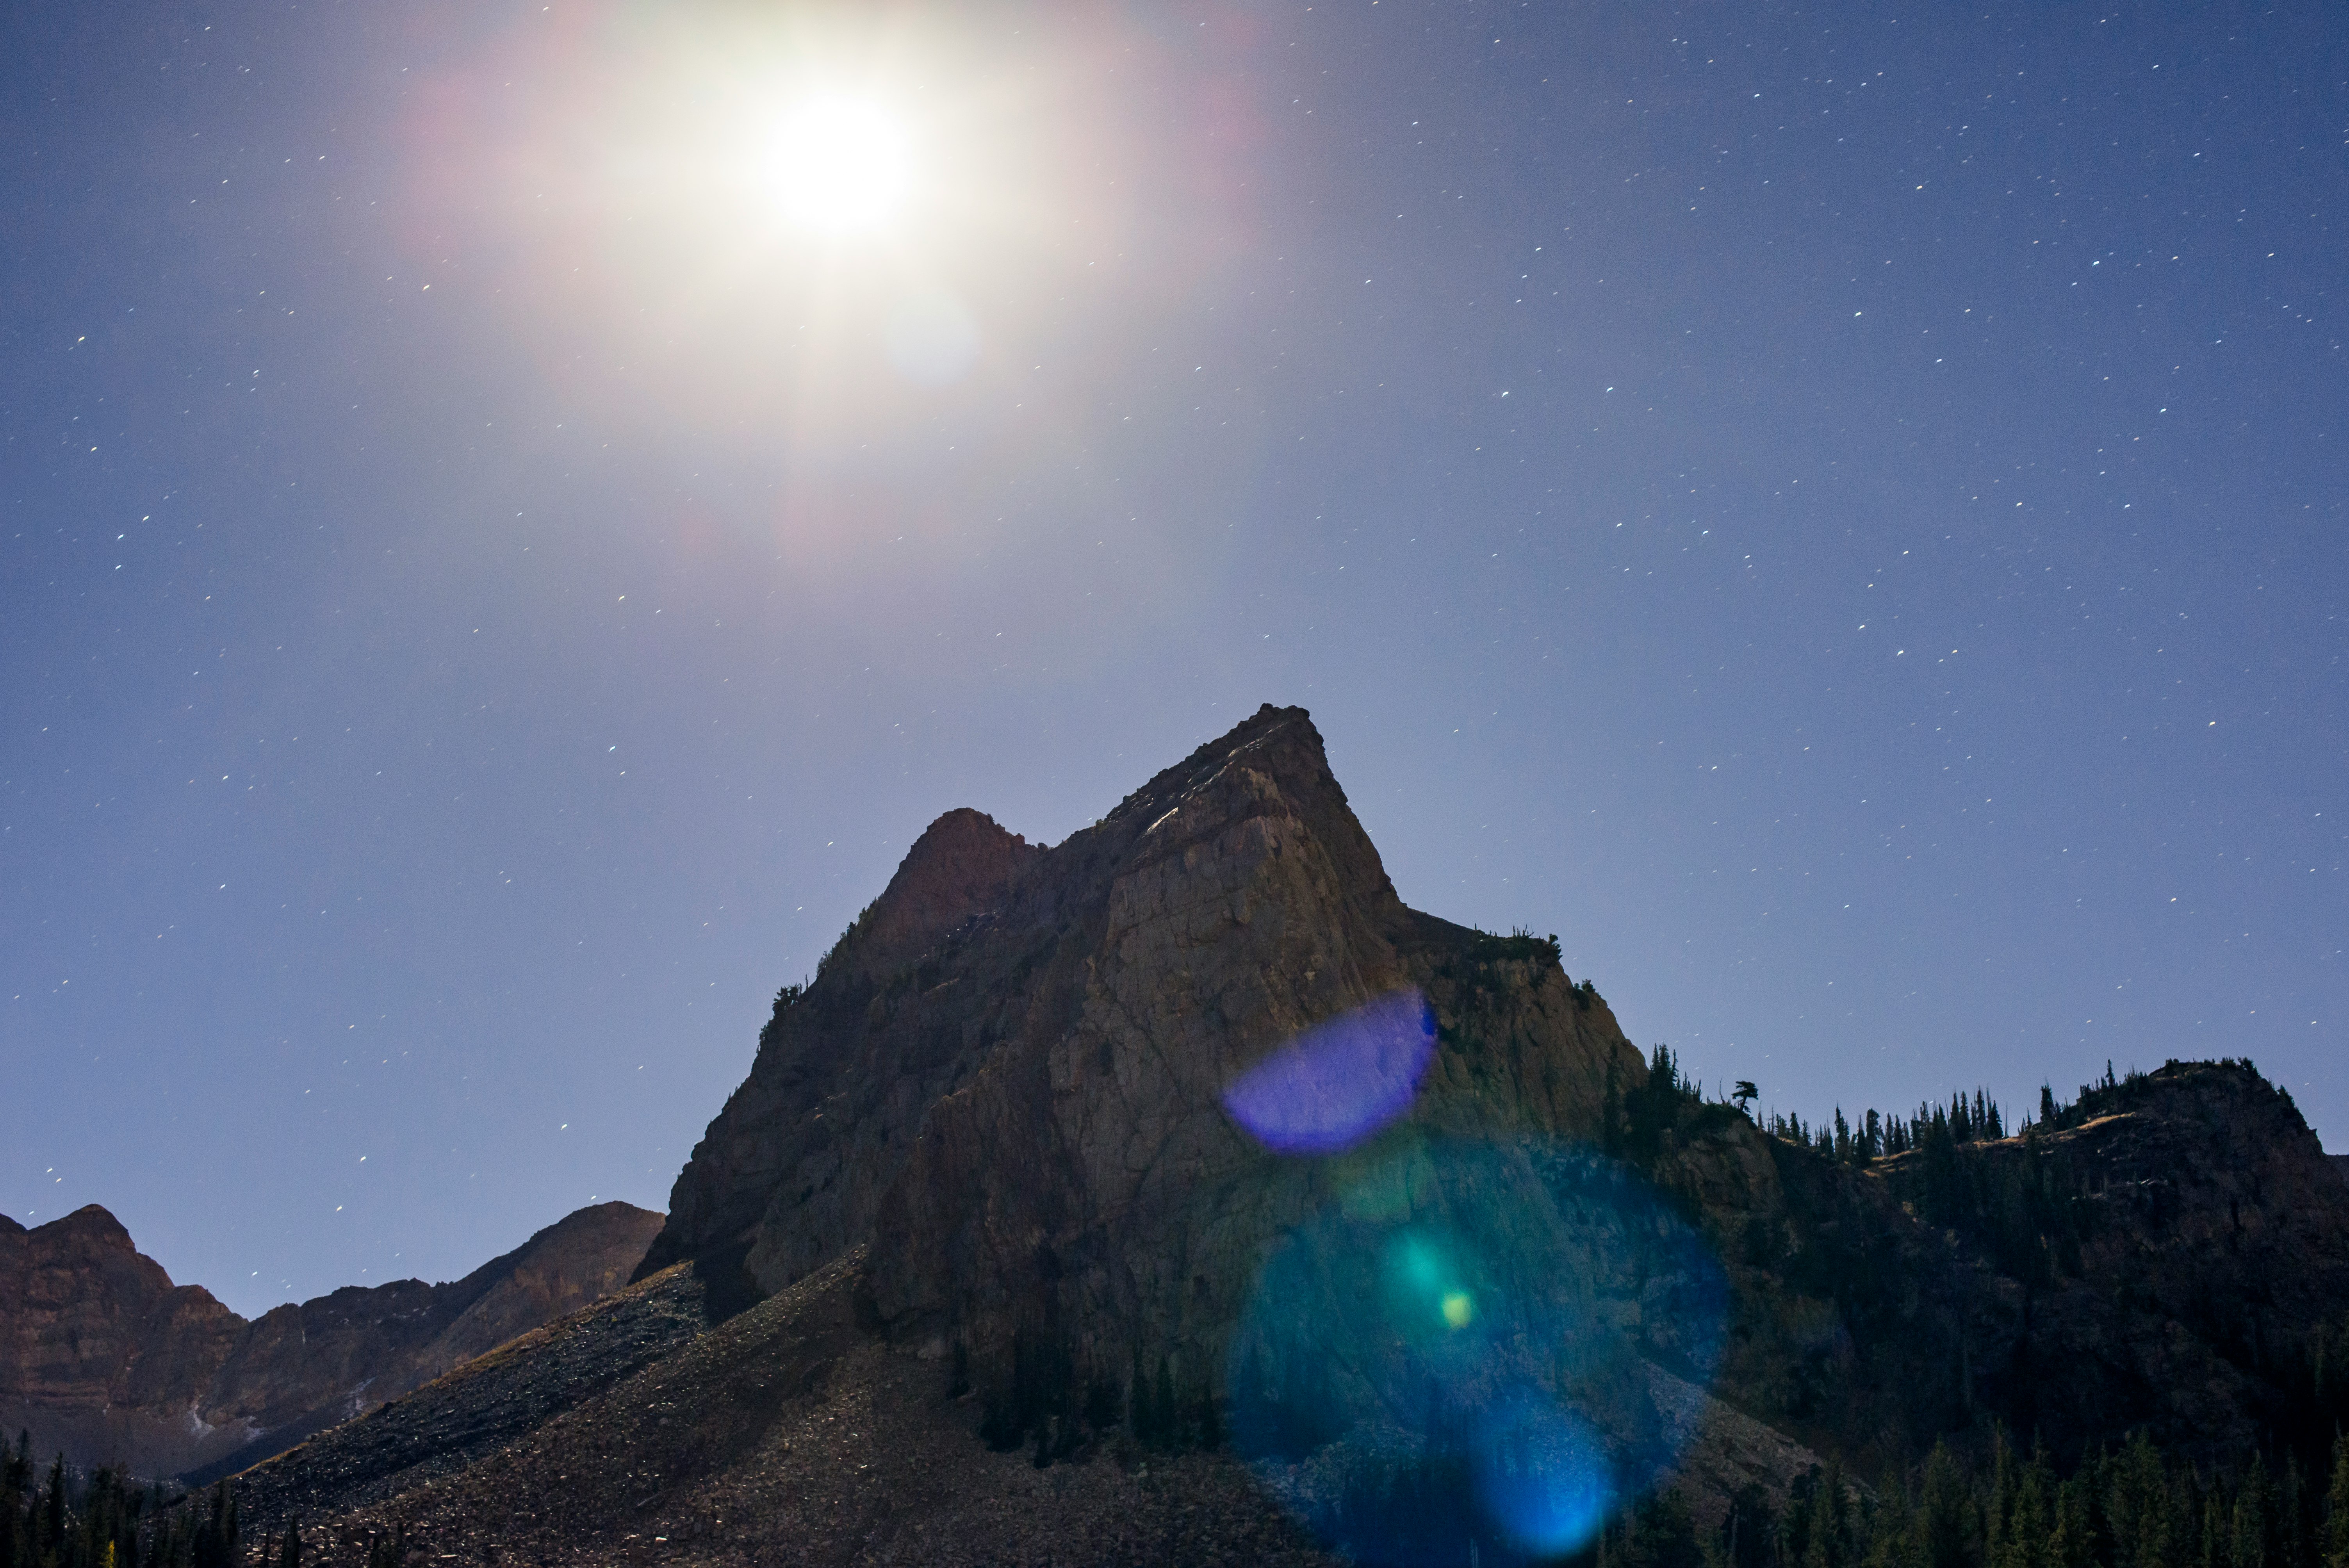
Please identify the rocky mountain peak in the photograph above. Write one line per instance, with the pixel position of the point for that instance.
(93, 1224)
(961, 866)
(1016, 1099)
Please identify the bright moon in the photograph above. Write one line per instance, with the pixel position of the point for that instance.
(840, 165)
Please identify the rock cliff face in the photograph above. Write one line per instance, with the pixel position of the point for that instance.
(103, 1357)
(1008, 1077)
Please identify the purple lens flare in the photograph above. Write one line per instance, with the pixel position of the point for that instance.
(1340, 1080)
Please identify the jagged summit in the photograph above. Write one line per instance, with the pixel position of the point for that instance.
(94, 1221)
(962, 865)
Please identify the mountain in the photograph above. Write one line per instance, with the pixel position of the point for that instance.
(1007, 1076)
(2169, 1253)
(2171, 1249)
(102, 1357)
(1176, 1192)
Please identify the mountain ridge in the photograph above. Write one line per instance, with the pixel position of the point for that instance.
(991, 1229)
(106, 1359)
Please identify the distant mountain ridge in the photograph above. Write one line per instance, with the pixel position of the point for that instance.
(102, 1357)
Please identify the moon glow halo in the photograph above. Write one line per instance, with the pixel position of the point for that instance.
(840, 166)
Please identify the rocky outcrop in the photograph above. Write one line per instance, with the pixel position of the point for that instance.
(99, 1350)
(2166, 1255)
(102, 1357)
(1009, 1076)
(792, 1169)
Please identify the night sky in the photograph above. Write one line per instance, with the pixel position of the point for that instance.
(1837, 512)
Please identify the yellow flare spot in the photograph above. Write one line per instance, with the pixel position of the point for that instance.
(1458, 1309)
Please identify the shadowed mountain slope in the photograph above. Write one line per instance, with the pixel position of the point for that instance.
(102, 1357)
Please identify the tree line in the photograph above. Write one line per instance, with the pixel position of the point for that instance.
(1059, 1412)
(104, 1518)
(1976, 1118)
(2133, 1507)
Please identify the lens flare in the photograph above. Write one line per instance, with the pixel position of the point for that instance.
(930, 339)
(1340, 1081)
(1543, 1476)
(1462, 1350)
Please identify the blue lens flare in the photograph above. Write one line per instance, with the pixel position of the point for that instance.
(1340, 1081)
(1543, 1476)
(1460, 1347)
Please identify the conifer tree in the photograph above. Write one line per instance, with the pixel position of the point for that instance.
(289, 1550)
(2336, 1508)
(1826, 1543)
(1892, 1532)
(2289, 1534)
(1947, 1514)
(53, 1511)
(2184, 1509)
(2246, 1534)
(2076, 1544)
(1999, 1508)
(15, 1476)
(2029, 1526)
